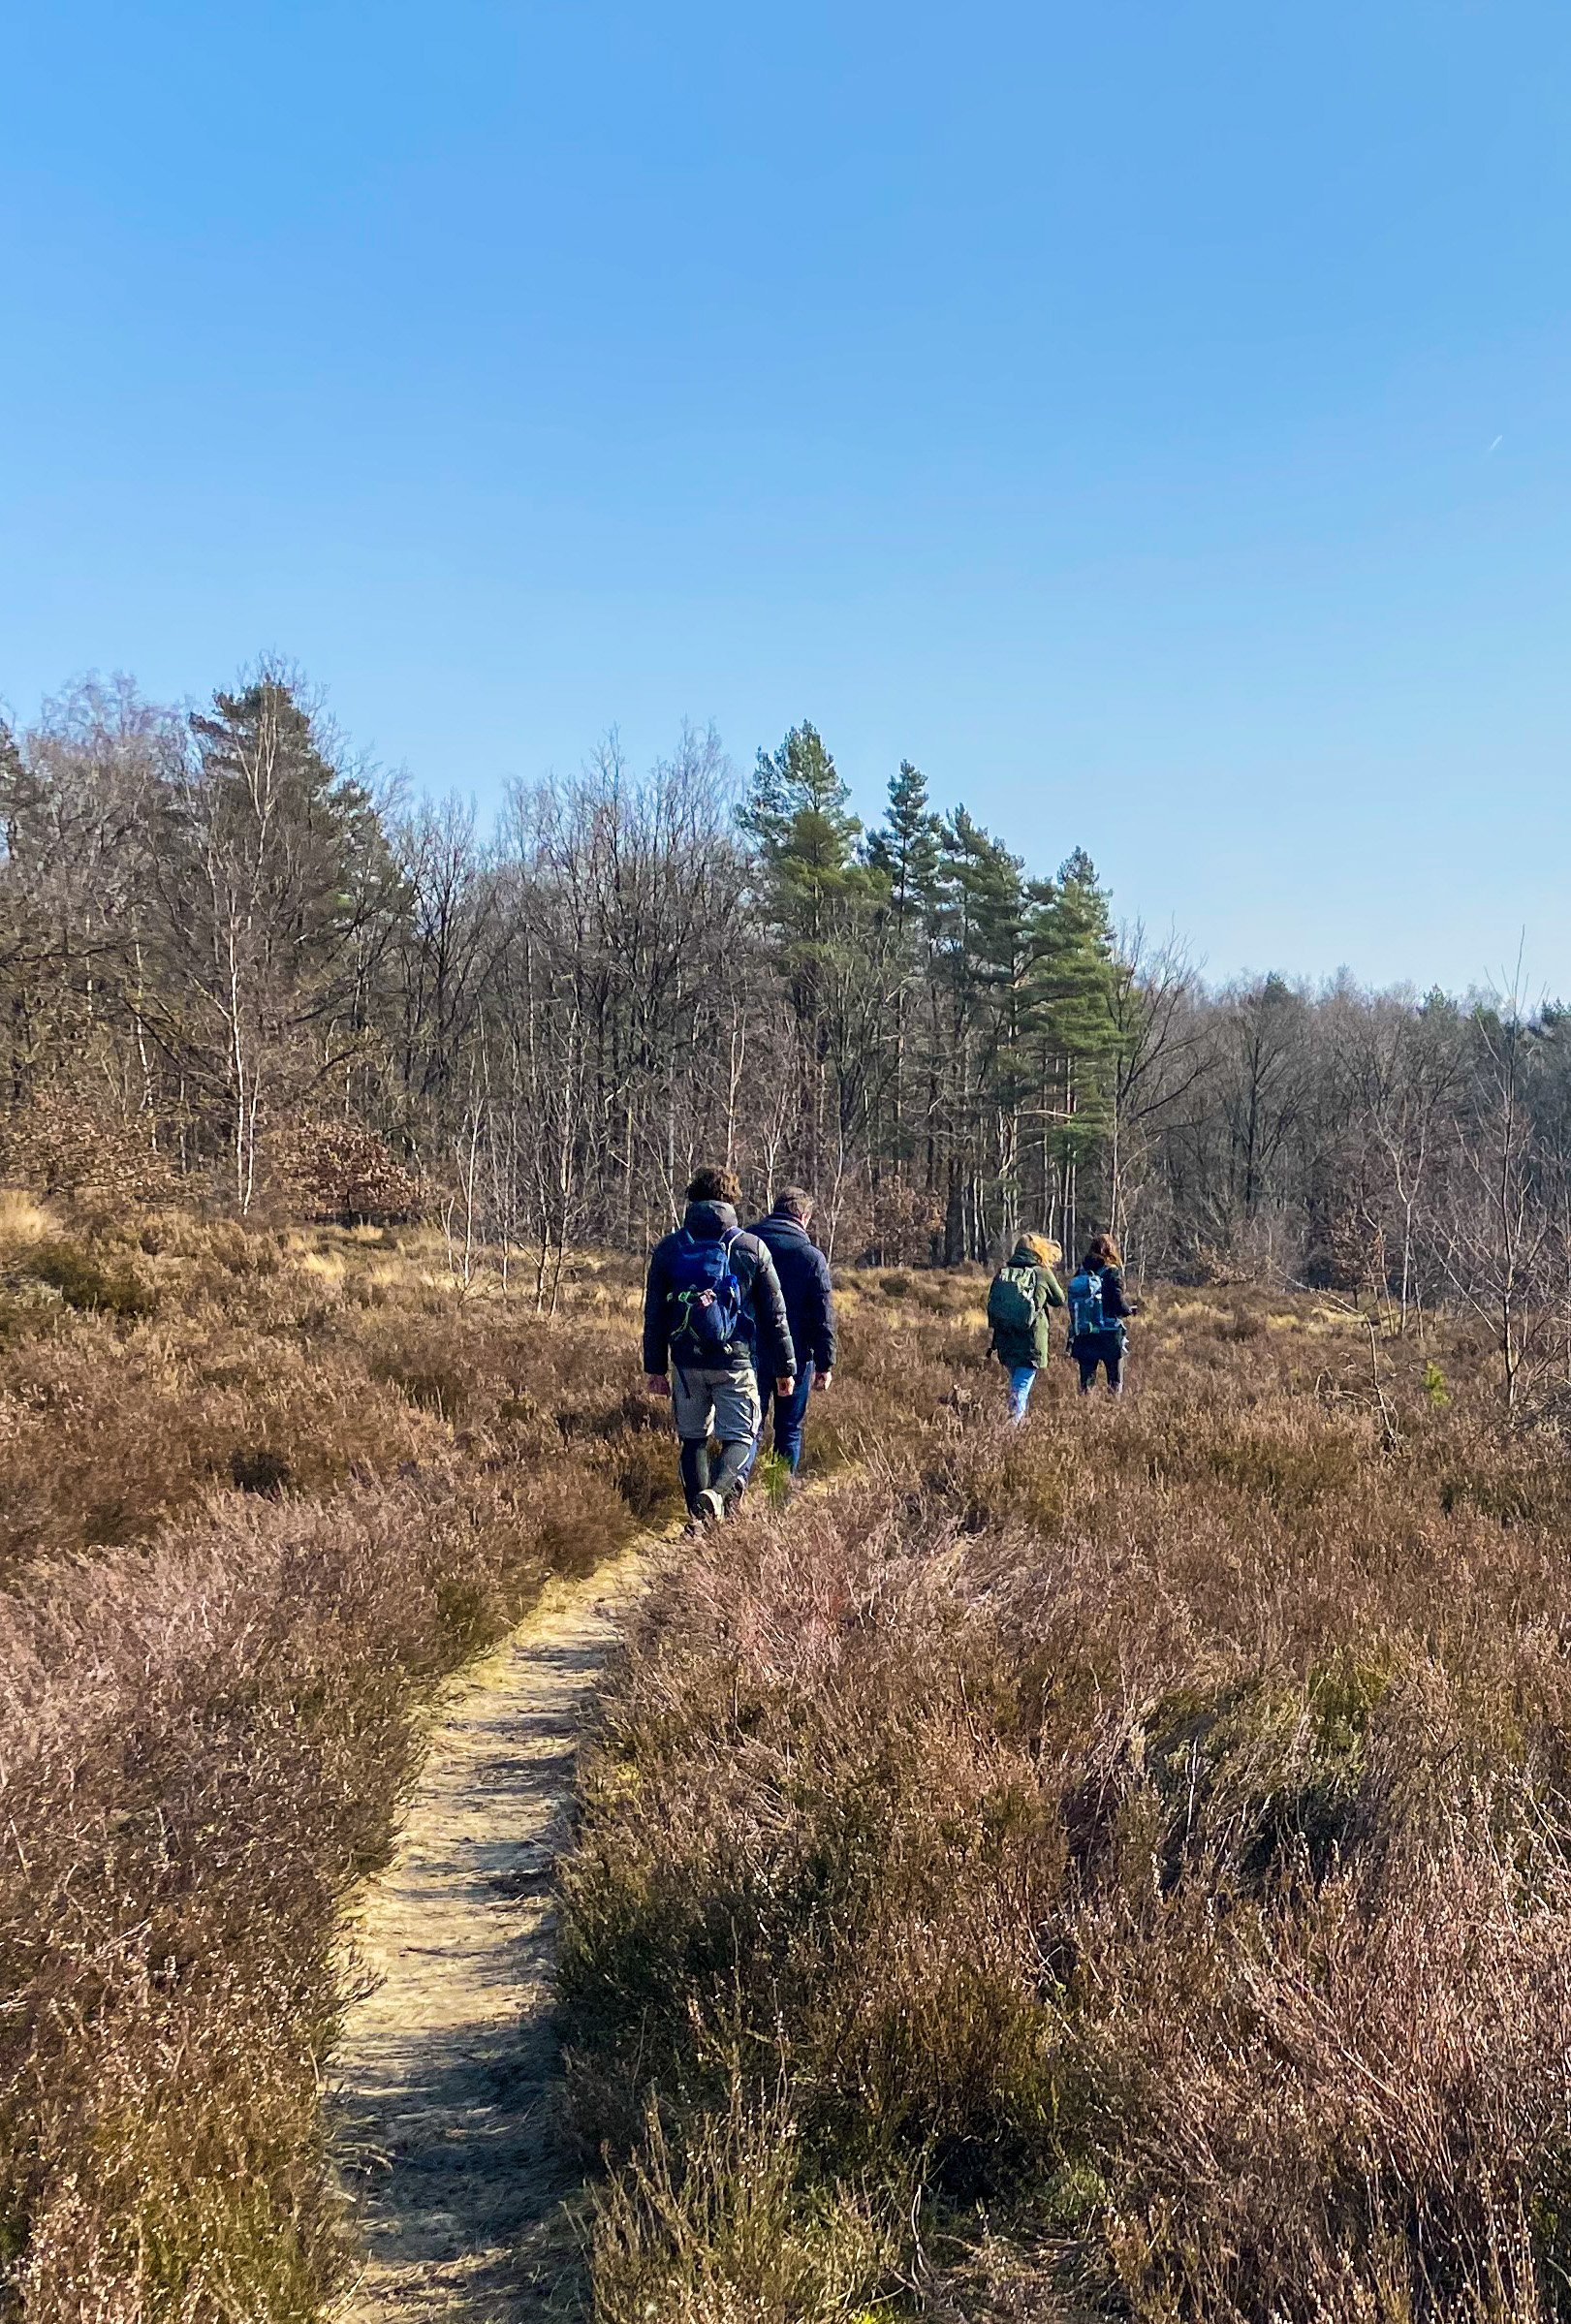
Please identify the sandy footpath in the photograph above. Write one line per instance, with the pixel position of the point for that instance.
(443, 2084)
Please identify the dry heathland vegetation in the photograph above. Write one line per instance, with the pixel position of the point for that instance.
(1119, 1867)
(261, 1489)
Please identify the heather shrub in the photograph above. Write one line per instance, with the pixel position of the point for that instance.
(237, 1548)
(82, 1283)
(1135, 1843)
(255, 1360)
(202, 1752)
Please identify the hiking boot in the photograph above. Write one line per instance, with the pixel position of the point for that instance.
(709, 1509)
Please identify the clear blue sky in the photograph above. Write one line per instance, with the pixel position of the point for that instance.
(1154, 419)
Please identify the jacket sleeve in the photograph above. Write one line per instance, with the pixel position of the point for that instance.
(769, 1315)
(657, 1339)
(1113, 1304)
(825, 1341)
(1054, 1288)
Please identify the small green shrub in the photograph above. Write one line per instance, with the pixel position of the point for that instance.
(736, 2225)
(85, 1284)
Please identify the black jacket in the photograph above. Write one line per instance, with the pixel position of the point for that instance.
(766, 1335)
(805, 1280)
(1114, 1305)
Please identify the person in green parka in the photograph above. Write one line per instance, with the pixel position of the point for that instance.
(1023, 1293)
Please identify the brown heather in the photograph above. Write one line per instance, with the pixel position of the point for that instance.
(255, 1500)
(1116, 1867)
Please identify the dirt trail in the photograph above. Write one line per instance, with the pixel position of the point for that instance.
(444, 2076)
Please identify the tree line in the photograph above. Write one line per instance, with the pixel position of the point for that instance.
(229, 952)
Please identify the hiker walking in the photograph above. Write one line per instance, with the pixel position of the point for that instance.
(1097, 1308)
(713, 1311)
(809, 1302)
(1019, 1299)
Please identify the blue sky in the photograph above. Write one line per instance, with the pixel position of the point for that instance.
(1155, 420)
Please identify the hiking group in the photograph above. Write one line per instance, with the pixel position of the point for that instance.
(1023, 1294)
(738, 1324)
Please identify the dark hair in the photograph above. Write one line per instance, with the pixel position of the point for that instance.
(794, 1202)
(1102, 1251)
(712, 1184)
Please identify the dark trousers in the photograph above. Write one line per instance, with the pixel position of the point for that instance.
(790, 1416)
(790, 1419)
(1104, 1349)
(725, 1473)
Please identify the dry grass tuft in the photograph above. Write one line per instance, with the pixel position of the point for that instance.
(22, 1221)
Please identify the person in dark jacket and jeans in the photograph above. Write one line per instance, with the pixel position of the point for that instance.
(1105, 1347)
(718, 1394)
(809, 1300)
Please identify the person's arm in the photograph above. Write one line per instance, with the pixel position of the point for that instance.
(1054, 1288)
(1115, 1306)
(825, 1341)
(656, 1341)
(770, 1316)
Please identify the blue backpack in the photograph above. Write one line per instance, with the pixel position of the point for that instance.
(1085, 1313)
(703, 1298)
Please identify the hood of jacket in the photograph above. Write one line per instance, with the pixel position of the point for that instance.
(709, 1221)
(1022, 1255)
(783, 1228)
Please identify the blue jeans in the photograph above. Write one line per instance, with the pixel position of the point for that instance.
(790, 1418)
(1022, 1381)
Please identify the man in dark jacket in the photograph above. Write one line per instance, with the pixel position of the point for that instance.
(707, 1269)
(809, 1300)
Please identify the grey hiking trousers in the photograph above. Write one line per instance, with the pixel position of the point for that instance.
(715, 1400)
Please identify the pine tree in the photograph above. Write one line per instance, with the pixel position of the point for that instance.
(820, 899)
(907, 848)
(982, 957)
(1074, 1037)
(906, 853)
(798, 816)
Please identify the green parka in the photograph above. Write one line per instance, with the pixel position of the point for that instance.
(1036, 1345)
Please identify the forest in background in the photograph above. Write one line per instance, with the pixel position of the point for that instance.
(233, 956)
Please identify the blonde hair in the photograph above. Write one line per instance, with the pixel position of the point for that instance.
(1045, 1251)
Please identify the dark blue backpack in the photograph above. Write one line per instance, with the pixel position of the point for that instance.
(1085, 1313)
(703, 1298)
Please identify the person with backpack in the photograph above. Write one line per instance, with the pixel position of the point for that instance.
(809, 1298)
(714, 1312)
(1019, 1297)
(1097, 1308)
